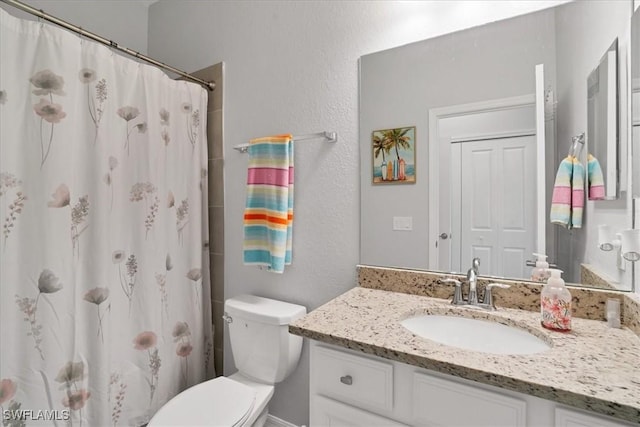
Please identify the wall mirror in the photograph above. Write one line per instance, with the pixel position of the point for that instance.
(602, 124)
(635, 109)
(501, 102)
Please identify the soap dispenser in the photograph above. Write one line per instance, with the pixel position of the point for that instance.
(555, 303)
(540, 273)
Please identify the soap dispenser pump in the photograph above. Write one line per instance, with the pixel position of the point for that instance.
(555, 303)
(540, 273)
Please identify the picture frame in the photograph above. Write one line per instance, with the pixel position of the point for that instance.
(393, 159)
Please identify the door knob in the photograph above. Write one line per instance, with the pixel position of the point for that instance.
(444, 236)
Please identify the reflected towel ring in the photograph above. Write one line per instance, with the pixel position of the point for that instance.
(630, 242)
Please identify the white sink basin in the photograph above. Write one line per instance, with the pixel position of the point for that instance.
(476, 335)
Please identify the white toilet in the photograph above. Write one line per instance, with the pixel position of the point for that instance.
(264, 353)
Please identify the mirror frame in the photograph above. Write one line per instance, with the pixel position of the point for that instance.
(634, 115)
(611, 123)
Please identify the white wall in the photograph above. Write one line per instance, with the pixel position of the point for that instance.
(292, 67)
(124, 22)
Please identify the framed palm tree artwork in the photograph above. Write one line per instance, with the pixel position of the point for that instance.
(394, 156)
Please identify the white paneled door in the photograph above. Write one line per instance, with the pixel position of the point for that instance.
(496, 204)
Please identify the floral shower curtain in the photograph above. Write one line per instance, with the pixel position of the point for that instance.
(105, 309)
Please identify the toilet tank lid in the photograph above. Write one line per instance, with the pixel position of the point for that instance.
(265, 310)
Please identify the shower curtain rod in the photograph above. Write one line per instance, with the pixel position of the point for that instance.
(41, 14)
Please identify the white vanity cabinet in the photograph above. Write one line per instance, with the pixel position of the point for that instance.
(348, 388)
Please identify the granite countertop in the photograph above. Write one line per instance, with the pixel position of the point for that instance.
(593, 367)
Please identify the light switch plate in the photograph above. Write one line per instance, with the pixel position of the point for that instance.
(402, 223)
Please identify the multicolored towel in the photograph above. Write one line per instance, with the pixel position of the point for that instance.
(268, 215)
(567, 203)
(577, 194)
(595, 178)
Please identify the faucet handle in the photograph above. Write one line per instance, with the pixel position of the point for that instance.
(488, 294)
(497, 285)
(457, 293)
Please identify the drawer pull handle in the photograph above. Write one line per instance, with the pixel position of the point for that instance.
(346, 380)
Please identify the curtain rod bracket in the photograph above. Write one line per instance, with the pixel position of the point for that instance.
(331, 136)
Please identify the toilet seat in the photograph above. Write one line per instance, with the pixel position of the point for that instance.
(218, 402)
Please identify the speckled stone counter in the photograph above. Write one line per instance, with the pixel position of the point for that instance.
(631, 310)
(589, 275)
(587, 303)
(593, 367)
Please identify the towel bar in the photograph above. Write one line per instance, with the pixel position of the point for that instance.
(329, 136)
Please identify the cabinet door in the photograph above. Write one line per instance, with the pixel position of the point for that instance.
(329, 413)
(440, 402)
(569, 418)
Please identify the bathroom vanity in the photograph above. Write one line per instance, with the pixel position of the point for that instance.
(348, 388)
(367, 369)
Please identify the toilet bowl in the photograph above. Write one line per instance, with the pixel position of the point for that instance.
(264, 353)
(235, 401)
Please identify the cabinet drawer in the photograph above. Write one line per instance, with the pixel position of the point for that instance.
(445, 403)
(569, 418)
(355, 379)
(329, 413)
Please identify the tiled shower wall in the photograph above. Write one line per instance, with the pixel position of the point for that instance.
(216, 204)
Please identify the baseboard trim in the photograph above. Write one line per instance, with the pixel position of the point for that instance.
(277, 422)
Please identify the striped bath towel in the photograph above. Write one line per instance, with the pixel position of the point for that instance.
(567, 203)
(595, 179)
(268, 214)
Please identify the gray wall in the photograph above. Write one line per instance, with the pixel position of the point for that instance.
(292, 67)
(124, 22)
(400, 86)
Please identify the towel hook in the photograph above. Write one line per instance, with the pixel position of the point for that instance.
(577, 142)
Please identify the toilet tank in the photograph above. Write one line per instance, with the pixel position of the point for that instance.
(262, 347)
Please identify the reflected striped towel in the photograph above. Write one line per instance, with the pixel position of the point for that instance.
(268, 214)
(567, 203)
(595, 178)
(577, 194)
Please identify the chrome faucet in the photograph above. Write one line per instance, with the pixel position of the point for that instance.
(472, 299)
(472, 278)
